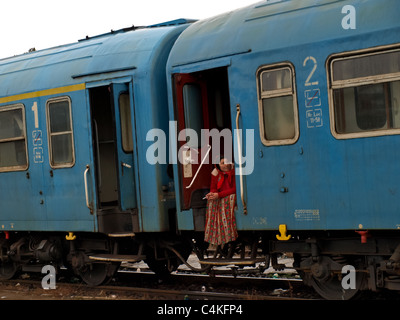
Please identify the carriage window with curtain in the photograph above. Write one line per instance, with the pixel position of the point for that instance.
(277, 105)
(13, 154)
(365, 94)
(60, 133)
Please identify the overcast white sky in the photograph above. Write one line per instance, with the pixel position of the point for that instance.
(41, 24)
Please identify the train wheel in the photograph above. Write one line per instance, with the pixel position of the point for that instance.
(8, 269)
(97, 273)
(326, 279)
(332, 289)
(93, 273)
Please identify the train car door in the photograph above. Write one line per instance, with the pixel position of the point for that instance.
(194, 148)
(202, 102)
(111, 107)
(122, 96)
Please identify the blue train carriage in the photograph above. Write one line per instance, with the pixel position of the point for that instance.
(314, 87)
(73, 124)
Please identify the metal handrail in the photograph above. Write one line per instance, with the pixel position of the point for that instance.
(86, 186)
(240, 159)
(198, 169)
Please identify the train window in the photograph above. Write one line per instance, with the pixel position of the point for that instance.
(13, 154)
(365, 94)
(126, 124)
(277, 105)
(366, 66)
(59, 124)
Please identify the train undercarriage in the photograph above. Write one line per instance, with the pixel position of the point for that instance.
(338, 265)
(93, 257)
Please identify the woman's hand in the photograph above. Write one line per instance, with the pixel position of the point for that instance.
(212, 196)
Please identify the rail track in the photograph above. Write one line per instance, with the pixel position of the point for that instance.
(137, 282)
(146, 286)
(145, 290)
(179, 296)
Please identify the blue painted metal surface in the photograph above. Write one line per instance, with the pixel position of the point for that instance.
(53, 199)
(330, 183)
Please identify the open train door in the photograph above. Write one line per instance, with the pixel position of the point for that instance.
(113, 140)
(194, 150)
(123, 102)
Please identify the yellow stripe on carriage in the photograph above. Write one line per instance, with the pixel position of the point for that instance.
(42, 93)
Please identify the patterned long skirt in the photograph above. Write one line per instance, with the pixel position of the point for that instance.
(220, 221)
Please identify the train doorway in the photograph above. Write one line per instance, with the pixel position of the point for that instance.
(203, 111)
(111, 110)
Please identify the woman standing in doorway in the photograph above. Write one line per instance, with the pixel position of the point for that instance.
(220, 217)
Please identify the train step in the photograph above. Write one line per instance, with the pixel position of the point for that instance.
(234, 261)
(121, 235)
(117, 257)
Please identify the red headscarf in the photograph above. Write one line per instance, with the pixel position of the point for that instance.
(224, 175)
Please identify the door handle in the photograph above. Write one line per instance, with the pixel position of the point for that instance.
(123, 164)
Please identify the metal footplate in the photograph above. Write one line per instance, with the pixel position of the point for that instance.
(117, 257)
(121, 235)
(232, 261)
